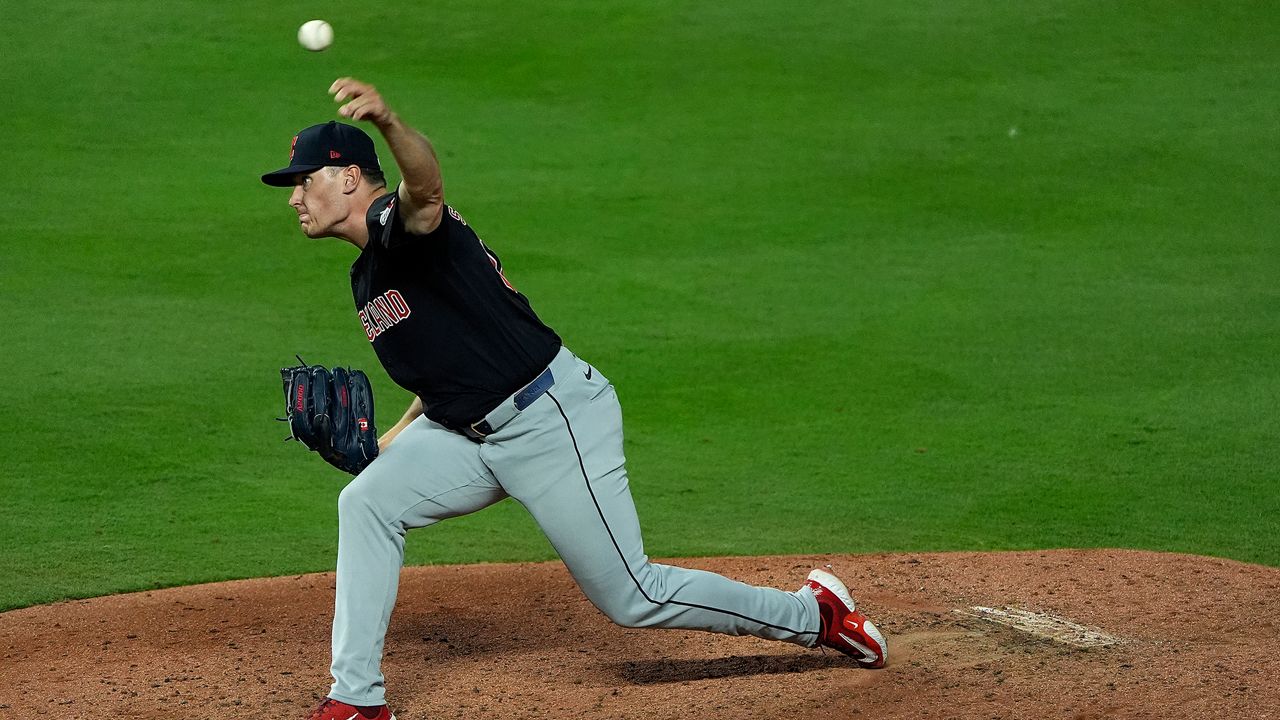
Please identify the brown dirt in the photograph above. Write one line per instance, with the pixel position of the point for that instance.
(519, 641)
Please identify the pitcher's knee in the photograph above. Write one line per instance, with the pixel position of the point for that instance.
(631, 611)
(357, 500)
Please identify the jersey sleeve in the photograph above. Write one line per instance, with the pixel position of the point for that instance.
(387, 226)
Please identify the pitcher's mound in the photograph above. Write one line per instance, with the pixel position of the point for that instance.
(1055, 634)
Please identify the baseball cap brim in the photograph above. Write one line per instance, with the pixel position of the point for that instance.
(284, 177)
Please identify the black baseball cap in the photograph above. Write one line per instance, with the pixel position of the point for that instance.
(327, 144)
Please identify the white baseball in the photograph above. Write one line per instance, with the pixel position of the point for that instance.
(315, 35)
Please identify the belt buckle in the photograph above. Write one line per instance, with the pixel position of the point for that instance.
(477, 433)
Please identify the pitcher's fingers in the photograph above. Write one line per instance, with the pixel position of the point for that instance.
(348, 110)
(344, 88)
(361, 107)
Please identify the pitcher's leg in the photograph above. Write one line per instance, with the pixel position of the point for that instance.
(593, 525)
(562, 459)
(426, 475)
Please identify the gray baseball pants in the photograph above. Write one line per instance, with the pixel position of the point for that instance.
(561, 457)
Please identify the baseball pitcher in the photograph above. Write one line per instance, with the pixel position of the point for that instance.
(501, 409)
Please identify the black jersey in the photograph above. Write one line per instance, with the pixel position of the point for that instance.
(443, 319)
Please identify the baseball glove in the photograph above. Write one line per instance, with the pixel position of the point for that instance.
(331, 412)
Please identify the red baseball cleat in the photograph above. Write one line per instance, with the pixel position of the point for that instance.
(331, 709)
(843, 627)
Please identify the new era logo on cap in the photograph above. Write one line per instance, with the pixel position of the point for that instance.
(332, 143)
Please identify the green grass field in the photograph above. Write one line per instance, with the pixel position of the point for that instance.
(869, 276)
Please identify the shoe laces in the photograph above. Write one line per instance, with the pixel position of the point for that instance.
(318, 713)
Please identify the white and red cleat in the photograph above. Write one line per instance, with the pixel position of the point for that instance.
(331, 709)
(843, 627)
